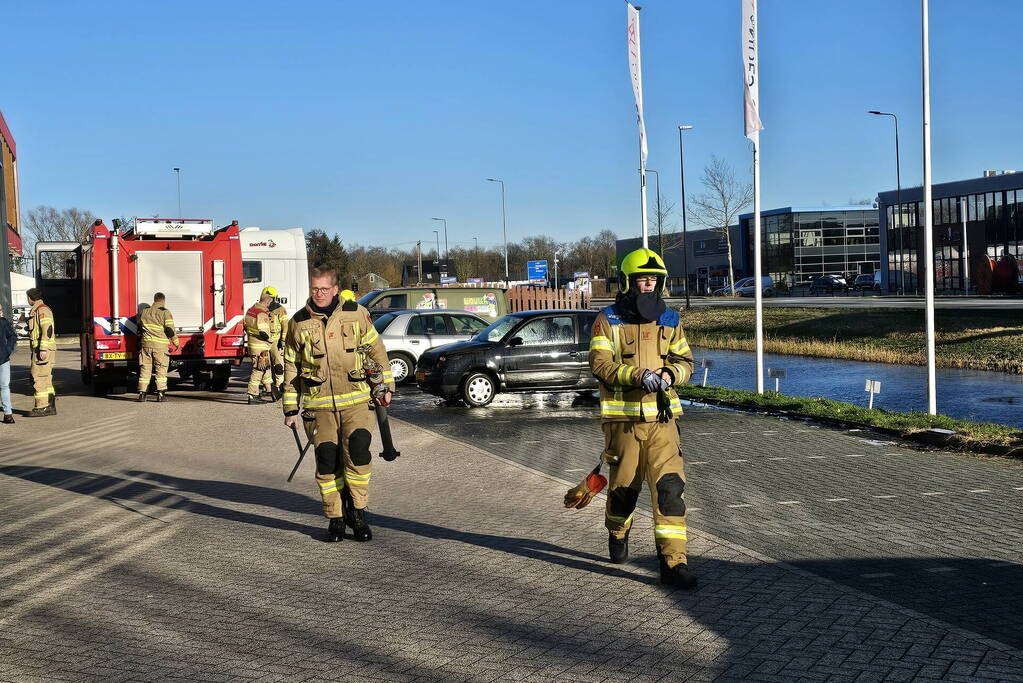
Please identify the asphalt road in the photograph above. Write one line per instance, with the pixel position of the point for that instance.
(851, 301)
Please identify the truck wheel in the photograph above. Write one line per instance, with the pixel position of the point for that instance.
(478, 389)
(221, 378)
(99, 386)
(402, 367)
(86, 376)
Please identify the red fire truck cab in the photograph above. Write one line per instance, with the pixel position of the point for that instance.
(199, 270)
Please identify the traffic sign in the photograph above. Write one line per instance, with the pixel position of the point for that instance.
(536, 271)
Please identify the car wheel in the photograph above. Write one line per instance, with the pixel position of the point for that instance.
(478, 389)
(402, 367)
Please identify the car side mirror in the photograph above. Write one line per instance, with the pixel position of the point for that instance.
(515, 341)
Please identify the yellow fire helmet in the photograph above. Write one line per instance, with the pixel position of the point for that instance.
(347, 295)
(642, 262)
(268, 291)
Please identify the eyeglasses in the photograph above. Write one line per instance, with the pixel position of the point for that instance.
(321, 290)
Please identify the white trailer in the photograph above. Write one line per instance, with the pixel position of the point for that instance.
(275, 258)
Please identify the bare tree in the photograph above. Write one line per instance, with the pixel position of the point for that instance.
(721, 202)
(660, 223)
(47, 224)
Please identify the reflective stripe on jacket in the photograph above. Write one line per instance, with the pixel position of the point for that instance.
(41, 334)
(323, 358)
(156, 328)
(619, 354)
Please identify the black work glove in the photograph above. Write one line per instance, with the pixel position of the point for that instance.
(265, 336)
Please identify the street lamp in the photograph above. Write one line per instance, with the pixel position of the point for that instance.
(504, 223)
(445, 220)
(177, 172)
(437, 235)
(476, 254)
(682, 181)
(555, 269)
(901, 288)
(660, 238)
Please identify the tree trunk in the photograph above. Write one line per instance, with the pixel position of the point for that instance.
(731, 269)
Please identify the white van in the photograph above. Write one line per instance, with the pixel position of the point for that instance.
(275, 258)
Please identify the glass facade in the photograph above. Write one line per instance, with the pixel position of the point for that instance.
(993, 222)
(800, 246)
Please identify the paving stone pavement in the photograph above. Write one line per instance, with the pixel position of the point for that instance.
(128, 554)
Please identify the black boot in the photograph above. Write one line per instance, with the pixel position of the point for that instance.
(678, 576)
(161, 396)
(40, 412)
(254, 400)
(355, 518)
(142, 397)
(618, 549)
(335, 531)
(53, 404)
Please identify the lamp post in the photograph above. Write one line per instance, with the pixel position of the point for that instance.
(682, 182)
(555, 269)
(437, 235)
(504, 224)
(476, 254)
(901, 289)
(445, 221)
(177, 172)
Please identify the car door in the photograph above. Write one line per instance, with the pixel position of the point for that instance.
(538, 354)
(466, 326)
(427, 330)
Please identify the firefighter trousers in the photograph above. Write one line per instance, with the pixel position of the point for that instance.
(153, 362)
(276, 361)
(259, 378)
(341, 441)
(650, 451)
(42, 379)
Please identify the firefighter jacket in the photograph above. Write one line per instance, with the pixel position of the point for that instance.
(278, 322)
(257, 326)
(156, 327)
(324, 357)
(620, 352)
(41, 334)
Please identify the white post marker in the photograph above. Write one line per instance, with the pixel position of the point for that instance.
(636, 71)
(932, 393)
(753, 126)
(777, 374)
(707, 365)
(966, 249)
(872, 387)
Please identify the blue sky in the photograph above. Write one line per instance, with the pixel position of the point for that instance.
(367, 119)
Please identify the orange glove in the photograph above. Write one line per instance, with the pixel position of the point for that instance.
(580, 496)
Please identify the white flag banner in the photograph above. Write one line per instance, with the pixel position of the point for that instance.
(751, 69)
(636, 71)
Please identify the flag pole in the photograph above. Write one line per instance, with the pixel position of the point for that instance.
(932, 394)
(753, 126)
(636, 72)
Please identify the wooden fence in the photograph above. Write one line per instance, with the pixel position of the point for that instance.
(538, 298)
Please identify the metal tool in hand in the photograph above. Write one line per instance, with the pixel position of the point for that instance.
(378, 390)
(301, 451)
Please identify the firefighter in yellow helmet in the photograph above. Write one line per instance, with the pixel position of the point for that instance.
(278, 327)
(43, 343)
(257, 329)
(327, 344)
(156, 339)
(639, 352)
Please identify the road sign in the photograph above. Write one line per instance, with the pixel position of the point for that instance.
(476, 281)
(447, 280)
(536, 271)
(580, 273)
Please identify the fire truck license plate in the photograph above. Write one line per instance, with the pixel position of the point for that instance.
(114, 355)
(420, 375)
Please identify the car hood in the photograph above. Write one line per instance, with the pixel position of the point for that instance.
(468, 346)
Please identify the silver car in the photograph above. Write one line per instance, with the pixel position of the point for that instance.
(407, 334)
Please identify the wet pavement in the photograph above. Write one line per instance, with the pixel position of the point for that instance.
(977, 395)
(937, 532)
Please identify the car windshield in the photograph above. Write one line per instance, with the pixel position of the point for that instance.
(497, 330)
(368, 296)
(383, 321)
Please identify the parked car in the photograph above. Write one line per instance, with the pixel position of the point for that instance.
(407, 334)
(864, 282)
(489, 303)
(829, 284)
(727, 290)
(746, 288)
(530, 351)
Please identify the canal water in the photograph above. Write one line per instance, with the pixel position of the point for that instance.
(976, 395)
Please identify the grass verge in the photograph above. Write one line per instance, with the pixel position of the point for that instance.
(974, 436)
(972, 339)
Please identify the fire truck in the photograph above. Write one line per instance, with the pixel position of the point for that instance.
(99, 288)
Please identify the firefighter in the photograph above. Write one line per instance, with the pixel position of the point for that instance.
(324, 378)
(257, 328)
(278, 326)
(639, 352)
(157, 339)
(43, 344)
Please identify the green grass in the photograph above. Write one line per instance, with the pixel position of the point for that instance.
(969, 435)
(973, 339)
